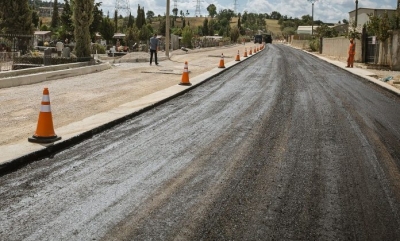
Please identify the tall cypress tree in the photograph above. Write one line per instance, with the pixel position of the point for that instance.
(66, 19)
(55, 16)
(143, 16)
(139, 18)
(83, 17)
(116, 20)
(130, 21)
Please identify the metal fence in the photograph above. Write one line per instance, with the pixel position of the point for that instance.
(372, 52)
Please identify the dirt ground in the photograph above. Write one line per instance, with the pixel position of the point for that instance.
(76, 98)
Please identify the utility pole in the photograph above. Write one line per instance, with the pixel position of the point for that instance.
(167, 37)
(312, 16)
(355, 22)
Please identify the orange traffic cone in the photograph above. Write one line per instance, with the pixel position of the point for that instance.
(237, 57)
(250, 53)
(185, 75)
(221, 62)
(245, 53)
(45, 130)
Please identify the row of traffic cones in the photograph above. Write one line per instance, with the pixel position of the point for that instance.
(185, 75)
(45, 130)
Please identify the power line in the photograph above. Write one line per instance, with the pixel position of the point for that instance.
(198, 4)
(122, 6)
(235, 4)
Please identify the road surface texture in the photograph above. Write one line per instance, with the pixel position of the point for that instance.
(282, 146)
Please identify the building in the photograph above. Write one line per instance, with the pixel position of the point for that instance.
(341, 29)
(48, 11)
(305, 30)
(363, 18)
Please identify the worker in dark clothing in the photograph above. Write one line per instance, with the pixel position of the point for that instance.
(154, 43)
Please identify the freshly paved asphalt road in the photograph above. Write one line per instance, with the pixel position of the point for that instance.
(282, 146)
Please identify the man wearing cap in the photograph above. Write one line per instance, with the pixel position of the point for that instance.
(154, 42)
(352, 52)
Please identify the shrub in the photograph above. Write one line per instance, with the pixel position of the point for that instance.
(314, 44)
(99, 48)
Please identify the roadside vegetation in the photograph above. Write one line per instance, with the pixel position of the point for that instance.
(22, 17)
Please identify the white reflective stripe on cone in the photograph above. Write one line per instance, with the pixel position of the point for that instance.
(45, 108)
(46, 98)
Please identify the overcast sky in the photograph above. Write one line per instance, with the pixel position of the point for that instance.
(328, 11)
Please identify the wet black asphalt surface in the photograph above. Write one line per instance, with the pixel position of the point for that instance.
(282, 146)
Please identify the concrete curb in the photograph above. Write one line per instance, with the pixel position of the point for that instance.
(74, 133)
(51, 75)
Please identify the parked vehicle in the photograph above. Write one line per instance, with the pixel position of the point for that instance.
(258, 39)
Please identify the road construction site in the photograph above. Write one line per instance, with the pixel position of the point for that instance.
(280, 146)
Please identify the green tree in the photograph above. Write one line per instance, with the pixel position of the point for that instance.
(235, 34)
(66, 21)
(144, 33)
(35, 18)
(211, 27)
(175, 12)
(275, 15)
(16, 17)
(162, 27)
(212, 10)
(239, 25)
(150, 15)
(226, 14)
(187, 36)
(55, 17)
(140, 19)
(97, 18)
(325, 31)
(116, 20)
(107, 29)
(205, 27)
(82, 18)
(379, 26)
(131, 36)
(130, 21)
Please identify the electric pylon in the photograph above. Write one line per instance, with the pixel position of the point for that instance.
(123, 6)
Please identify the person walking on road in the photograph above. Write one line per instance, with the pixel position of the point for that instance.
(154, 42)
(352, 52)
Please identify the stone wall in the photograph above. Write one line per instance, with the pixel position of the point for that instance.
(301, 44)
(339, 48)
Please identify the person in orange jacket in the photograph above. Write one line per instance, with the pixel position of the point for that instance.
(352, 52)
